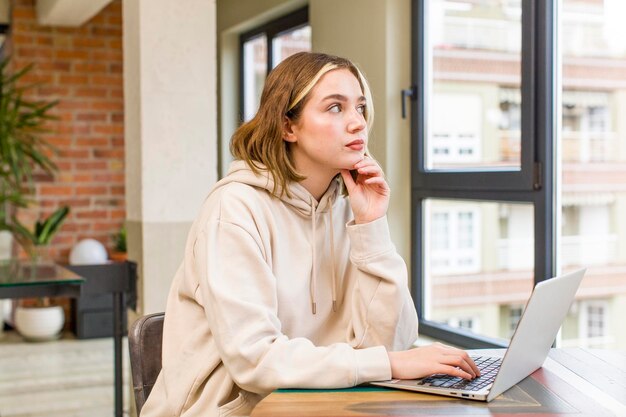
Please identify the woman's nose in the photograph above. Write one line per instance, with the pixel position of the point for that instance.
(357, 121)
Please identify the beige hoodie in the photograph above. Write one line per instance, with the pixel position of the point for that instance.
(239, 321)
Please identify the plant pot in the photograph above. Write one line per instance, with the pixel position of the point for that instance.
(39, 324)
(118, 256)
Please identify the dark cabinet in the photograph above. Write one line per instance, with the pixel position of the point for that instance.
(92, 312)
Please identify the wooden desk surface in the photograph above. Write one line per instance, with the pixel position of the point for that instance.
(572, 383)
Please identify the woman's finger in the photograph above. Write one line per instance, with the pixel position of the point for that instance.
(347, 179)
(453, 371)
(370, 170)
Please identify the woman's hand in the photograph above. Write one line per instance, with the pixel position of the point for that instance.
(369, 194)
(433, 359)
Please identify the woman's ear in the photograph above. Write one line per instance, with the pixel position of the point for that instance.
(288, 133)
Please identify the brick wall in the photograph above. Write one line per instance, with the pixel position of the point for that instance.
(82, 68)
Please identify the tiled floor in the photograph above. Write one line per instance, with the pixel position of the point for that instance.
(67, 377)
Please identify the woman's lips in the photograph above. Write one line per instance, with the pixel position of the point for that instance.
(356, 145)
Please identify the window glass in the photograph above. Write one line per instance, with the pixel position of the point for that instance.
(254, 73)
(593, 161)
(291, 42)
(474, 55)
(479, 264)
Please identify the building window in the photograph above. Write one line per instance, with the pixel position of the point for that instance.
(265, 47)
(466, 323)
(515, 314)
(454, 238)
(595, 319)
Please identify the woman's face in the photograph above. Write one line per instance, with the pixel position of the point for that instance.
(331, 133)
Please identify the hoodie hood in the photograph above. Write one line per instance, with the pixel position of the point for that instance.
(303, 202)
(300, 199)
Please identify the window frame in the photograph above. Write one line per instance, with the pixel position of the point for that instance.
(271, 30)
(533, 183)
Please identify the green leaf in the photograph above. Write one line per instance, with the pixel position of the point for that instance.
(51, 225)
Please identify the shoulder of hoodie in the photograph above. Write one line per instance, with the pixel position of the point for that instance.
(236, 203)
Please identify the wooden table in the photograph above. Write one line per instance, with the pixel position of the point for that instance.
(572, 383)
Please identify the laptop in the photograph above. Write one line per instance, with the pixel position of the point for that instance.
(545, 311)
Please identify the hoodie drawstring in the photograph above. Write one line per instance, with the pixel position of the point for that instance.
(313, 283)
(314, 271)
(332, 260)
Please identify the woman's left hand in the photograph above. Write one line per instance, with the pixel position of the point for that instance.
(369, 194)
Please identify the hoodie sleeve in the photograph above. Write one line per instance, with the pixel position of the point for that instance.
(238, 290)
(383, 312)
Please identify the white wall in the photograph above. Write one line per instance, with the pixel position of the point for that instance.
(170, 74)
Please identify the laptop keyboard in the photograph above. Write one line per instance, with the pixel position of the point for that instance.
(488, 366)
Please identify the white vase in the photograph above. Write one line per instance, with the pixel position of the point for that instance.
(39, 323)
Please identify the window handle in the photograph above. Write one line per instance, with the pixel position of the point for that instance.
(408, 92)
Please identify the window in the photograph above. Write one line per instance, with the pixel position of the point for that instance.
(507, 93)
(593, 161)
(480, 176)
(515, 314)
(265, 47)
(595, 320)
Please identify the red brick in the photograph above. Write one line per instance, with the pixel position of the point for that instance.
(108, 154)
(116, 44)
(94, 190)
(44, 40)
(90, 92)
(115, 80)
(74, 79)
(115, 20)
(91, 117)
(66, 104)
(97, 214)
(74, 153)
(82, 67)
(117, 214)
(116, 68)
(108, 129)
(75, 203)
(91, 142)
(23, 13)
(89, 43)
(91, 166)
(53, 91)
(103, 32)
(60, 190)
(107, 55)
(107, 105)
(22, 39)
(59, 141)
(71, 54)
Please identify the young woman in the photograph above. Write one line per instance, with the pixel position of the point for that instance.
(286, 281)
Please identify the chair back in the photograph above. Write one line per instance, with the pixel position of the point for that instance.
(145, 341)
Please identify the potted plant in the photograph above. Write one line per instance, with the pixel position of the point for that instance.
(38, 319)
(119, 252)
(22, 150)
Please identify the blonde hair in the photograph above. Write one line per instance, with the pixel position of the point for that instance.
(259, 142)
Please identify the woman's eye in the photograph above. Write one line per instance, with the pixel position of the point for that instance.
(335, 108)
(361, 109)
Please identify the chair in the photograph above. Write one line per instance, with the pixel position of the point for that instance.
(145, 340)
